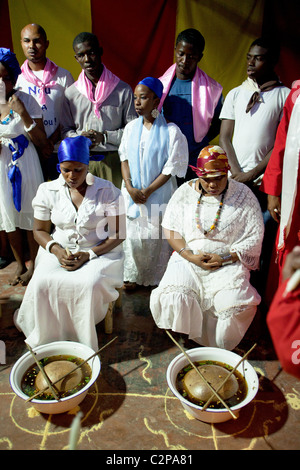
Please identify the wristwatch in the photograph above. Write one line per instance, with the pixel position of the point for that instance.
(226, 259)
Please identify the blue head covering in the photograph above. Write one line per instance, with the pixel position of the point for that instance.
(154, 84)
(10, 62)
(75, 149)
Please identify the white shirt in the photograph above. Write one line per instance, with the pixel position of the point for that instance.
(255, 131)
(86, 227)
(54, 96)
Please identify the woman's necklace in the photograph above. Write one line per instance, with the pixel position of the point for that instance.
(8, 118)
(197, 214)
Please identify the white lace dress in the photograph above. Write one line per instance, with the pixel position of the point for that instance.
(215, 308)
(29, 166)
(146, 251)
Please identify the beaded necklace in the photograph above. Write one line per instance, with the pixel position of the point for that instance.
(8, 118)
(197, 214)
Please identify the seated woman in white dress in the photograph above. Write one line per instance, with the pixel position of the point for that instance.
(152, 153)
(70, 293)
(215, 227)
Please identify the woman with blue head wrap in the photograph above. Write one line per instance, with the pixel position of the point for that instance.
(21, 129)
(79, 223)
(152, 152)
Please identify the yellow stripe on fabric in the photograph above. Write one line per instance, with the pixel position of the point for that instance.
(62, 21)
(228, 27)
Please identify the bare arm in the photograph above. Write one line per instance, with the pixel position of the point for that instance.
(140, 196)
(157, 183)
(136, 194)
(37, 133)
(226, 133)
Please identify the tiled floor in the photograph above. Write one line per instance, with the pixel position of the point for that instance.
(131, 407)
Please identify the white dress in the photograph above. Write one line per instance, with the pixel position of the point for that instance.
(215, 308)
(66, 305)
(30, 168)
(146, 251)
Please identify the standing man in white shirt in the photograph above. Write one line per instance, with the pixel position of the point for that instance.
(46, 82)
(250, 116)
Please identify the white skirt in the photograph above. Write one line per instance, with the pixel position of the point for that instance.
(32, 177)
(62, 305)
(213, 308)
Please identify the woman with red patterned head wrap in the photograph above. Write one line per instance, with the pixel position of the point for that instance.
(214, 224)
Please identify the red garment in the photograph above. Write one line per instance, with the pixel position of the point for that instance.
(283, 321)
(272, 180)
(272, 184)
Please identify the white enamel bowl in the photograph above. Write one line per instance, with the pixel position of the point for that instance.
(213, 354)
(53, 349)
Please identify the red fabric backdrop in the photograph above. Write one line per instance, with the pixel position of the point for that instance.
(138, 37)
(5, 31)
(282, 20)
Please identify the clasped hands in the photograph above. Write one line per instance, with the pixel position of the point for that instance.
(72, 261)
(96, 137)
(207, 261)
(139, 196)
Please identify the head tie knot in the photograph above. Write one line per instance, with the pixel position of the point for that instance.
(212, 161)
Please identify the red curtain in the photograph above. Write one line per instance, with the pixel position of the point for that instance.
(137, 36)
(282, 21)
(5, 31)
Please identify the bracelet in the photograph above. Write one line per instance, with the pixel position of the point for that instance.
(182, 249)
(104, 137)
(32, 126)
(127, 179)
(92, 254)
(226, 259)
(49, 245)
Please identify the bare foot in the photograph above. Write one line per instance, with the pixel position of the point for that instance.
(25, 278)
(14, 281)
(17, 276)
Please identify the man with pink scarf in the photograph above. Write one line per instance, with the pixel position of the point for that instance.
(98, 105)
(46, 82)
(191, 99)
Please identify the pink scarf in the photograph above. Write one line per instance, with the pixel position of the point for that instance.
(106, 84)
(49, 72)
(206, 93)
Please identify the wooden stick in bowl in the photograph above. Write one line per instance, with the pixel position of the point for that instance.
(78, 367)
(50, 384)
(202, 377)
(229, 375)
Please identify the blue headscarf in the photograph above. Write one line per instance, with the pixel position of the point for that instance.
(154, 84)
(76, 149)
(10, 62)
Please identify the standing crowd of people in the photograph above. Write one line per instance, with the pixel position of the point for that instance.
(113, 188)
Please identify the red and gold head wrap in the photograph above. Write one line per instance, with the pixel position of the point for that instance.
(212, 161)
